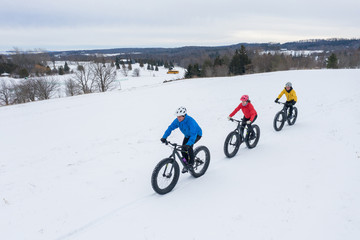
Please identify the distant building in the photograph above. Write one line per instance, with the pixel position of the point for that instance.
(173, 72)
(5, 75)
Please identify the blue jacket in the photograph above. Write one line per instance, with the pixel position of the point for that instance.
(188, 127)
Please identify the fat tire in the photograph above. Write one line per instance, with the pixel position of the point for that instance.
(252, 143)
(292, 120)
(228, 142)
(279, 121)
(157, 175)
(201, 163)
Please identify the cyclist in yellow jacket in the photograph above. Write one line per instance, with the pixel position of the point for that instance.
(291, 97)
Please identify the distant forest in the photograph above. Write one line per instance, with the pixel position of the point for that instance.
(242, 58)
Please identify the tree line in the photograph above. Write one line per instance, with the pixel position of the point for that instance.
(98, 74)
(245, 61)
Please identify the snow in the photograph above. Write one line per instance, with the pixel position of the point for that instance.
(293, 52)
(80, 167)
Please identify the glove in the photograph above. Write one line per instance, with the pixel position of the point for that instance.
(163, 140)
(248, 122)
(277, 100)
(293, 103)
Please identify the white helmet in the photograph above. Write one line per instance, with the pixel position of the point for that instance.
(181, 111)
(288, 84)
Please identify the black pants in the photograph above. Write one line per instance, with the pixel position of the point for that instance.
(190, 157)
(289, 106)
(250, 128)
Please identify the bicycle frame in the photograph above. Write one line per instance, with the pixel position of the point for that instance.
(176, 149)
(284, 109)
(239, 127)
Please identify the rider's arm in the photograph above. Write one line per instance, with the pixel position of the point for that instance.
(252, 112)
(193, 133)
(173, 125)
(282, 93)
(235, 111)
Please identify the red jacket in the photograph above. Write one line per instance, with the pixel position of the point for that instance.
(248, 110)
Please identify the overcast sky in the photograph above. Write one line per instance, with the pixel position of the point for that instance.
(89, 24)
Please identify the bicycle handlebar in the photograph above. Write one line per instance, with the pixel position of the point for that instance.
(168, 142)
(235, 120)
(175, 145)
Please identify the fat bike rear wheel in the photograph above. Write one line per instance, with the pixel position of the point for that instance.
(292, 119)
(201, 161)
(251, 143)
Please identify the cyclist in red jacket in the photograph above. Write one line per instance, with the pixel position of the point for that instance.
(250, 115)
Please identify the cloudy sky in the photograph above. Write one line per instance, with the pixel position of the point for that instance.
(89, 24)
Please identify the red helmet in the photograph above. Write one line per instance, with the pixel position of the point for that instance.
(244, 98)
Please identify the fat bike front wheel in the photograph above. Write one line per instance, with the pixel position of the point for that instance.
(279, 121)
(165, 176)
(232, 144)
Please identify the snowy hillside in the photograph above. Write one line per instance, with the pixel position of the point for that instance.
(79, 167)
(122, 81)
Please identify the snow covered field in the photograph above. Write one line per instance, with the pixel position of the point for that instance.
(80, 167)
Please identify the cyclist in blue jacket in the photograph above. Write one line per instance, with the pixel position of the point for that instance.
(192, 131)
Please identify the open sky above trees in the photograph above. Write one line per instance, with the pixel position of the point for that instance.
(69, 25)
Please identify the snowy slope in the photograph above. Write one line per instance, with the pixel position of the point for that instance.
(80, 167)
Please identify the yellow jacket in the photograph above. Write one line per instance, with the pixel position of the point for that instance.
(291, 95)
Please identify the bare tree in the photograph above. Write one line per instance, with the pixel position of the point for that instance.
(72, 88)
(104, 76)
(124, 70)
(25, 91)
(84, 77)
(136, 72)
(45, 87)
(6, 93)
(28, 59)
(221, 71)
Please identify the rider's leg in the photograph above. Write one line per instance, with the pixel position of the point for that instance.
(243, 123)
(290, 107)
(250, 128)
(185, 154)
(189, 156)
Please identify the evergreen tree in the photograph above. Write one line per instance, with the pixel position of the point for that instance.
(189, 70)
(193, 71)
(239, 61)
(129, 66)
(61, 70)
(332, 61)
(117, 62)
(66, 68)
(156, 68)
(218, 61)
